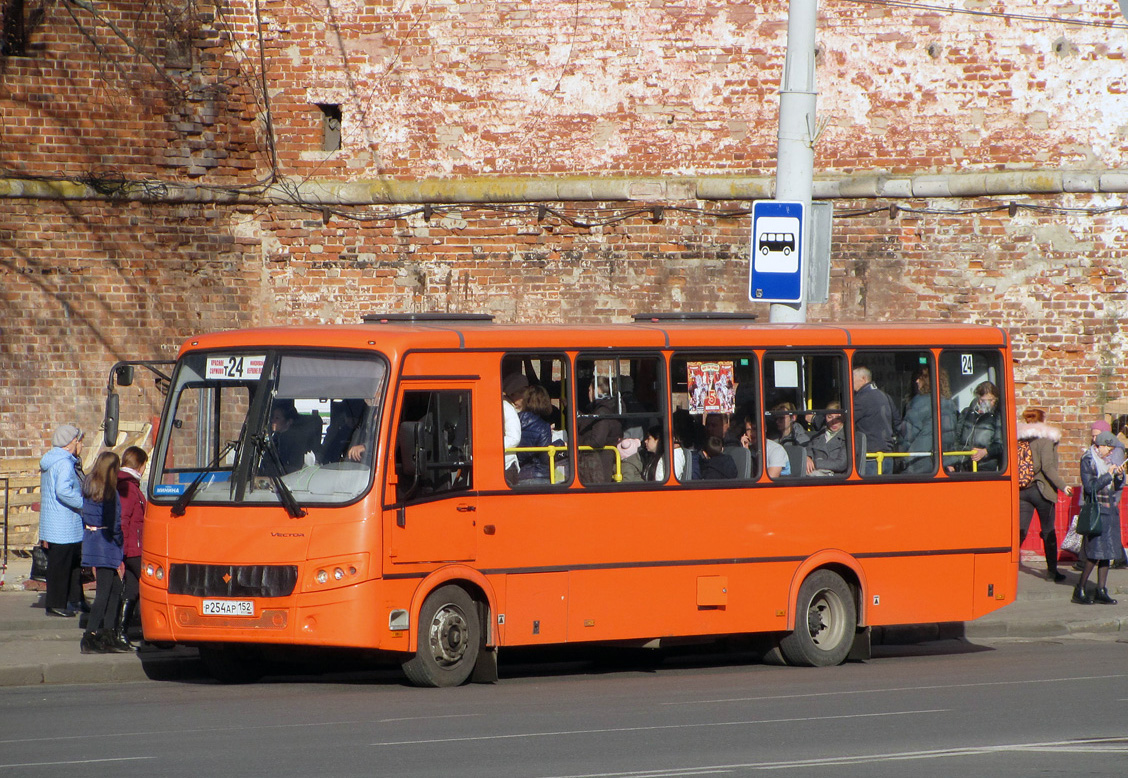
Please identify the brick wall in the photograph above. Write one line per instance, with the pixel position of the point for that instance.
(445, 90)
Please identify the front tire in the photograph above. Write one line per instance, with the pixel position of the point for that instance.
(450, 637)
(826, 618)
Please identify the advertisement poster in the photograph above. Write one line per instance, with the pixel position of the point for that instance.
(711, 388)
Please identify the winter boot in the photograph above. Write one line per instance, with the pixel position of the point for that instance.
(111, 644)
(121, 628)
(1101, 596)
(91, 644)
(1079, 595)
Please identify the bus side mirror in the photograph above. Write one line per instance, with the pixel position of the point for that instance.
(110, 421)
(123, 374)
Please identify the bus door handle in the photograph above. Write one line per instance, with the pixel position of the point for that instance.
(464, 508)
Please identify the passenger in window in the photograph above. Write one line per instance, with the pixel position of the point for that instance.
(534, 409)
(776, 461)
(513, 389)
(875, 416)
(601, 431)
(287, 441)
(344, 431)
(827, 454)
(655, 467)
(787, 430)
(630, 459)
(980, 429)
(716, 464)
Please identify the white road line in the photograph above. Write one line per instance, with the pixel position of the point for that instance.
(201, 730)
(562, 733)
(77, 761)
(1093, 745)
(902, 689)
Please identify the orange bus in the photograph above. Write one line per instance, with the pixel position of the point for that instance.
(678, 478)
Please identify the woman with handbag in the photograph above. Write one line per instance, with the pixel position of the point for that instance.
(1041, 493)
(1103, 483)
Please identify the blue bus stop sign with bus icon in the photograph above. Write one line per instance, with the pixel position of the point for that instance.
(776, 271)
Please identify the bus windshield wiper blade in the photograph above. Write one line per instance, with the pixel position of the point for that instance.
(289, 502)
(182, 501)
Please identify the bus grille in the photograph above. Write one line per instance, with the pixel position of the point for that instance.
(232, 580)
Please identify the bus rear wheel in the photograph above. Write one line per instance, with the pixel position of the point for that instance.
(450, 637)
(825, 621)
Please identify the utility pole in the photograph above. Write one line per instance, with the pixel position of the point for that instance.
(795, 157)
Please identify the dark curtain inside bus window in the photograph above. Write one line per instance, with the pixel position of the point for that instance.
(620, 402)
(978, 444)
(715, 395)
(538, 388)
(805, 428)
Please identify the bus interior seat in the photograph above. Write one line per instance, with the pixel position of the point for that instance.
(743, 459)
(797, 456)
(407, 445)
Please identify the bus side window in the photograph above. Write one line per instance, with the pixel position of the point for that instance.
(977, 440)
(715, 395)
(620, 402)
(433, 451)
(538, 389)
(806, 397)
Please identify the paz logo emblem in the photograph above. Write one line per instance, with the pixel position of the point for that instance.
(227, 578)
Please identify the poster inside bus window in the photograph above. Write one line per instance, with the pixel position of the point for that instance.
(711, 387)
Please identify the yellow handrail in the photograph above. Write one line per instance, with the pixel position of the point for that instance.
(881, 456)
(551, 451)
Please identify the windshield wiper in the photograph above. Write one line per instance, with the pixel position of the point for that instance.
(289, 502)
(182, 501)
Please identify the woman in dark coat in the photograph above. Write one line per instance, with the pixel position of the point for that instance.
(1104, 482)
(133, 461)
(980, 428)
(102, 549)
(1041, 494)
(534, 410)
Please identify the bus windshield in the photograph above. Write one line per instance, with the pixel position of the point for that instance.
(246, 427)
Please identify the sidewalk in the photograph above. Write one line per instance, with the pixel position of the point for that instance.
(35, 648)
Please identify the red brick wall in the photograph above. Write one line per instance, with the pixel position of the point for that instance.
(432, 90)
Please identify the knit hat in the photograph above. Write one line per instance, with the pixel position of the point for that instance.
(628, 446)
(1102, 426)
(514, 383)
(1108, 439)
(65, 435)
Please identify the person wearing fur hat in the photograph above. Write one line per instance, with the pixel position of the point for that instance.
(60, 521)
(1102, 481)
(1041, 494)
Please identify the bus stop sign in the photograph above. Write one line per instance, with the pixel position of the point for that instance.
(776, 273)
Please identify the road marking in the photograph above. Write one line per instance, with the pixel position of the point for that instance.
(1117, 745)
(902, 689)
(562, 733)
(77, 761)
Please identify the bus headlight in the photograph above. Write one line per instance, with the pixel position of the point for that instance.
(154, 573)
(330, 573)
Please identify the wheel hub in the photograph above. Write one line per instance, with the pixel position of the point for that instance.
(448, 635)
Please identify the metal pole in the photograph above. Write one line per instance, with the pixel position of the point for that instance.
(795, 160)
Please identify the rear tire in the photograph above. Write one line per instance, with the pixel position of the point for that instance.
(232, 664)
(450, 637)
(826, 619)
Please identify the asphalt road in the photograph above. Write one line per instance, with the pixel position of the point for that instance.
(1015, 709)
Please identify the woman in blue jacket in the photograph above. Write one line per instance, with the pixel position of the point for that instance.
(60, 521)
(102, 541)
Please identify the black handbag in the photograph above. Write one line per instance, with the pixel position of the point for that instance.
(38, 563)
(1089, 519)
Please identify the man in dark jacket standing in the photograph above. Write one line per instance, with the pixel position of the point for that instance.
(875, 416)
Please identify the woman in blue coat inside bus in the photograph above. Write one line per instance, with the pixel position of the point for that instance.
(102, 542)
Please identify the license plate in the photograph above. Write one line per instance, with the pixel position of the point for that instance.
(229, 607)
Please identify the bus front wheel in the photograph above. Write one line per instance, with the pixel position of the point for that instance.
(450, 637)
(825, 621)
